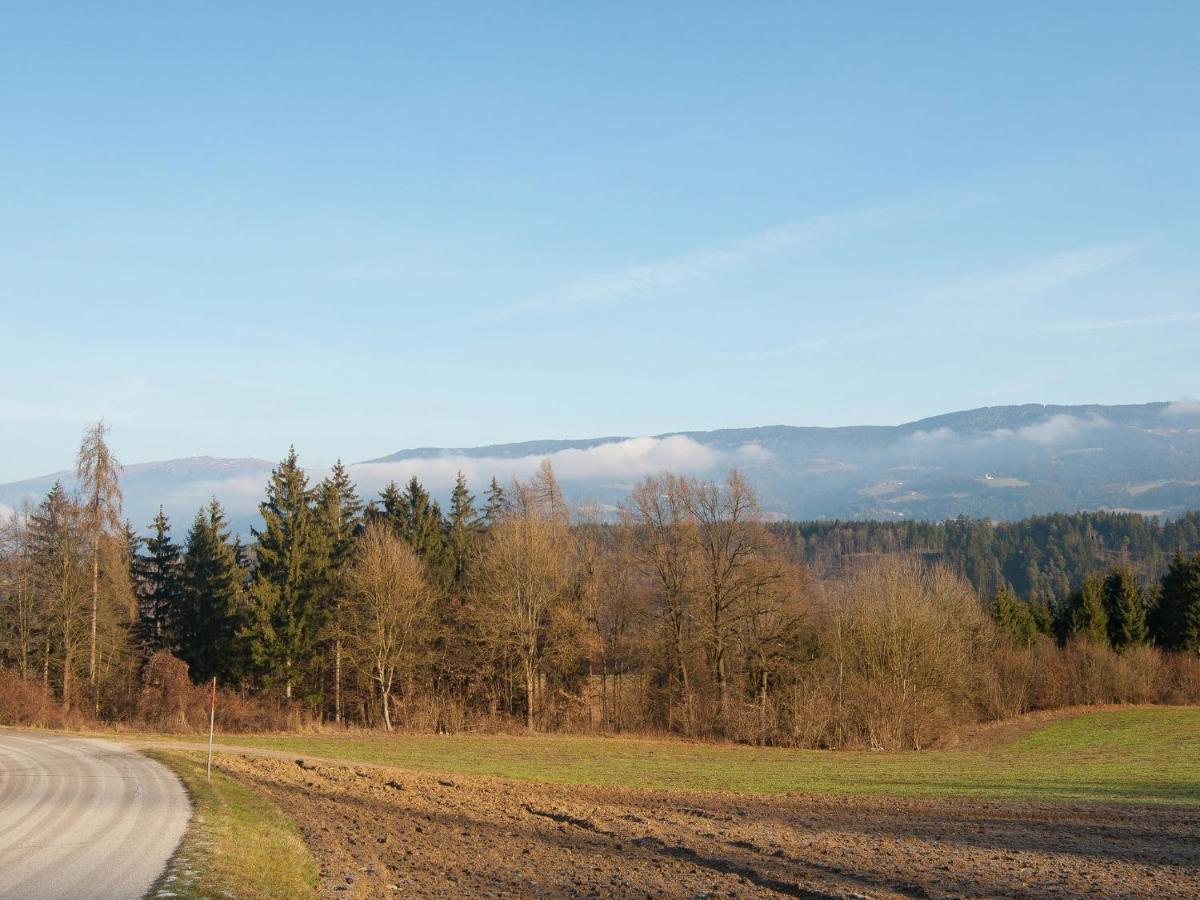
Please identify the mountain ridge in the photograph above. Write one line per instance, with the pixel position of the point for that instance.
(1002, 462)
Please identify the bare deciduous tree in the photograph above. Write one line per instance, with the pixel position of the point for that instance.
(663, 546)
(526, 573)
(730, 540)
(388, 609)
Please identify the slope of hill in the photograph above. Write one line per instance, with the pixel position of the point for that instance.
(1005, 462)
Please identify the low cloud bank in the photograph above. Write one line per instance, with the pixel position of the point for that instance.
(619, 461)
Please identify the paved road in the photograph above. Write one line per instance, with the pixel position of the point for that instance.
(84, 818)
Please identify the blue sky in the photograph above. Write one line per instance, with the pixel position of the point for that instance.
(365, 227)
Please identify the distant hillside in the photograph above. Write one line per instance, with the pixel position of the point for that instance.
(181, 486)
(1004, 462)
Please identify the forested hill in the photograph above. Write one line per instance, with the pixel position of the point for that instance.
(1040, 557)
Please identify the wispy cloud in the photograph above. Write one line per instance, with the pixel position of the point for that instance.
(1040, 277)
(1132, 322)
(1048, 432)
(664, 275)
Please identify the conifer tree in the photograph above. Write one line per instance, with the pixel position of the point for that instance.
(158, 583)
(390, 504)
(340, 515)
(1083, 613)
(210, 599)
(1014, 617)
(1176, 618)
(1043, 615)
(291, 561)
(462, 529)
(1125, 608)
(422, 526)
(497, 503)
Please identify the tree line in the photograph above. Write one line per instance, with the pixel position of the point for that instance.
(687, 614)
(1040, 558)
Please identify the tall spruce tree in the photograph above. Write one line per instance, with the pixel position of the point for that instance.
(462, 530)
(340, 517)
(1175, 621)
(210, 602)
(159, 587)
(1125, 608)
(1083, 615)
(291, 562)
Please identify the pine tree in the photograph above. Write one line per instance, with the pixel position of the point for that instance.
(340, 517)
(462, 531)
(1043, 615)
(1176, 619)
(497, 503)
(1013, 616)
(390, 504)
(1083, 613)
(422, 526)
(159, 588)
(210, 600)
(1125, 608)
(291, 561)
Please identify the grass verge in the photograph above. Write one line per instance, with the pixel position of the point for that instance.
(237, 844)
(1140, 754)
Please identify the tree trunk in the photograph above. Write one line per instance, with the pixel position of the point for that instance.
(337, 680)
(385, 698)
(95, 611)
(66, 679)
(385, 695)
(763, 707)
(529, 693)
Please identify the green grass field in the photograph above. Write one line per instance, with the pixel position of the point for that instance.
(1145, 754)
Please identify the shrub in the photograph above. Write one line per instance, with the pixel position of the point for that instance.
(27, 702)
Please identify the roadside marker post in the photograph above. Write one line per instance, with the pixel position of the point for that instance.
(212, 719)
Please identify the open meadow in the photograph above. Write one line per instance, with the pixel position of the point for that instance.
(1104, 803)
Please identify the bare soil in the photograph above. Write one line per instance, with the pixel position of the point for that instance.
(377, 832)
